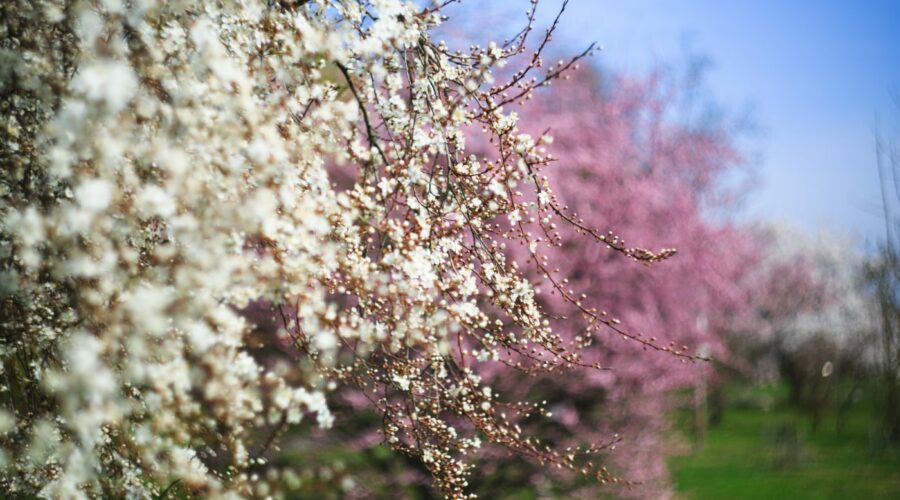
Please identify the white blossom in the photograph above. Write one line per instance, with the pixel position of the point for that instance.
(175, 170)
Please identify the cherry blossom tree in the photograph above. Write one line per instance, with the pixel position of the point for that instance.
(823, 332)
(626, 160)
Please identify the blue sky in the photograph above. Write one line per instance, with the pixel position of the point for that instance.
(815, 73)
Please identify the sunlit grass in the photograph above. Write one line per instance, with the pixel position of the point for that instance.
(772, 453)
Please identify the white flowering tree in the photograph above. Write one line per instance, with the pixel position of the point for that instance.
(164, 170)
(824, 327)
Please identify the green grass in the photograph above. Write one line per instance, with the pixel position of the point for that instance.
(764, 449)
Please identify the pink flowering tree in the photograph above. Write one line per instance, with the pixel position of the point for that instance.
(623, 161)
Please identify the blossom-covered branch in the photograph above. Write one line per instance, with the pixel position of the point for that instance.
(167, 170)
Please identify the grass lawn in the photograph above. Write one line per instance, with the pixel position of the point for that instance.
(763, 449)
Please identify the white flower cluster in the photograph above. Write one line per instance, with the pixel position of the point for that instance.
(167, 167)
